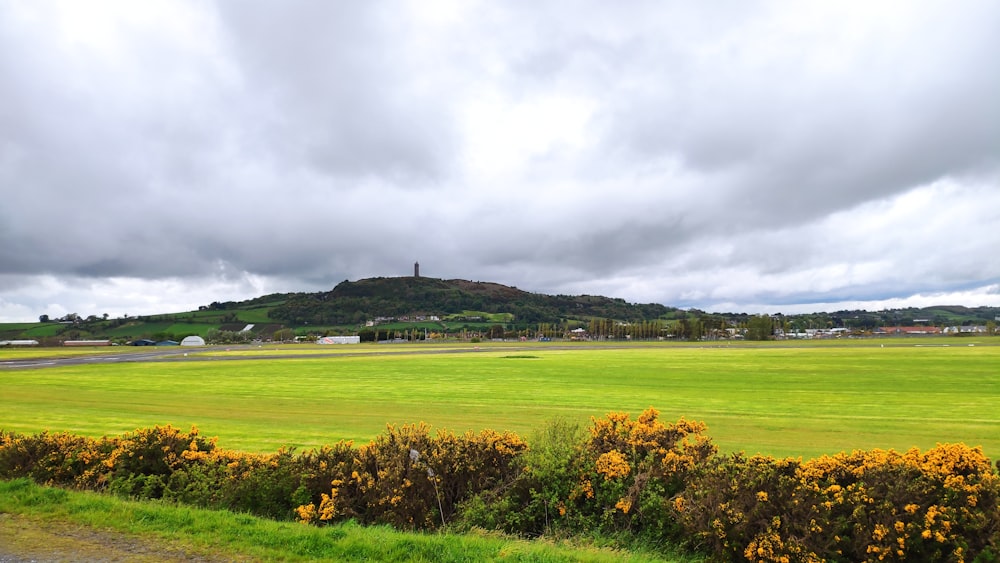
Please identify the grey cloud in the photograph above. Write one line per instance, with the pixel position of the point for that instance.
(308, 142)
(805, 141)
(342, 98)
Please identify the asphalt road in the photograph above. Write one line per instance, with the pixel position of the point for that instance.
(205, 353)
(56, 360)
(210, 353)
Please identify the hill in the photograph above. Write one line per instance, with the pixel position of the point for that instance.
(355, 302)
(346, 308)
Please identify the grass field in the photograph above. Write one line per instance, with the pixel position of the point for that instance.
(794, 400)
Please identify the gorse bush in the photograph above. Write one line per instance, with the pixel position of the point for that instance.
(877, 505)
(630, 479)
(143, 458)
(638, 465)
(56, 459)
(405, 477)
(410, 479)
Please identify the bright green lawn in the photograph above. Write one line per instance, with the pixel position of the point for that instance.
(780, 400)
(33, 352)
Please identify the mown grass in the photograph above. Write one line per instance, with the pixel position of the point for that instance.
(100, 525)
(781, 401)
(35, 352)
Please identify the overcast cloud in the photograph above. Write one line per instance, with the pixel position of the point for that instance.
(731, 156)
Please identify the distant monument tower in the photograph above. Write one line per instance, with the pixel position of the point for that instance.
(416, 269)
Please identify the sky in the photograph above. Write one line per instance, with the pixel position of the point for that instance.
(728, 156)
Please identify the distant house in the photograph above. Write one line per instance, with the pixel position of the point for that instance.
(193, 340)
(965, 329)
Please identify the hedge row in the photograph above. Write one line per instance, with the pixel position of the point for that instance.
(620, 477)
(405, 477)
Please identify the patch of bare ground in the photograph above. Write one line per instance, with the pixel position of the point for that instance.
(24, 539)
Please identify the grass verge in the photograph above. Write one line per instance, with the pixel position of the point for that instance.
(54, 524)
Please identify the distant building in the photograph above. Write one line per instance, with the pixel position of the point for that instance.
(910, 330)
(416, 269)
(87, 343)
(18, 343)
(339, 340)
(965, 329)
(193, 340)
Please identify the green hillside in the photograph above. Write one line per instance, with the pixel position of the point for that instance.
(356, 302)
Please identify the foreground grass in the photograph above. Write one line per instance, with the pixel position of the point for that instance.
(55, 524)
(777, 400)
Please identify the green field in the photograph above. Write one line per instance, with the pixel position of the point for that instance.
(778, 400)
(486, 317)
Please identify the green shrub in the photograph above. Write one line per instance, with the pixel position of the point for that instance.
(530, 502)
(616, 477)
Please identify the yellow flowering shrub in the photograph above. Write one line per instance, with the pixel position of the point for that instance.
(664, 481)
(612, 465)
(136, 463)
(409, 479)
(51, 459)
(878, 505)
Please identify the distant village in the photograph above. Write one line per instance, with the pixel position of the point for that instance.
(884, 331)
(577, 334)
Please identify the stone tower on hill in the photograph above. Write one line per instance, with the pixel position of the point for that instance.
(416, 269)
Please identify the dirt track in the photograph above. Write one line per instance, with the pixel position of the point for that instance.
(24, 540)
